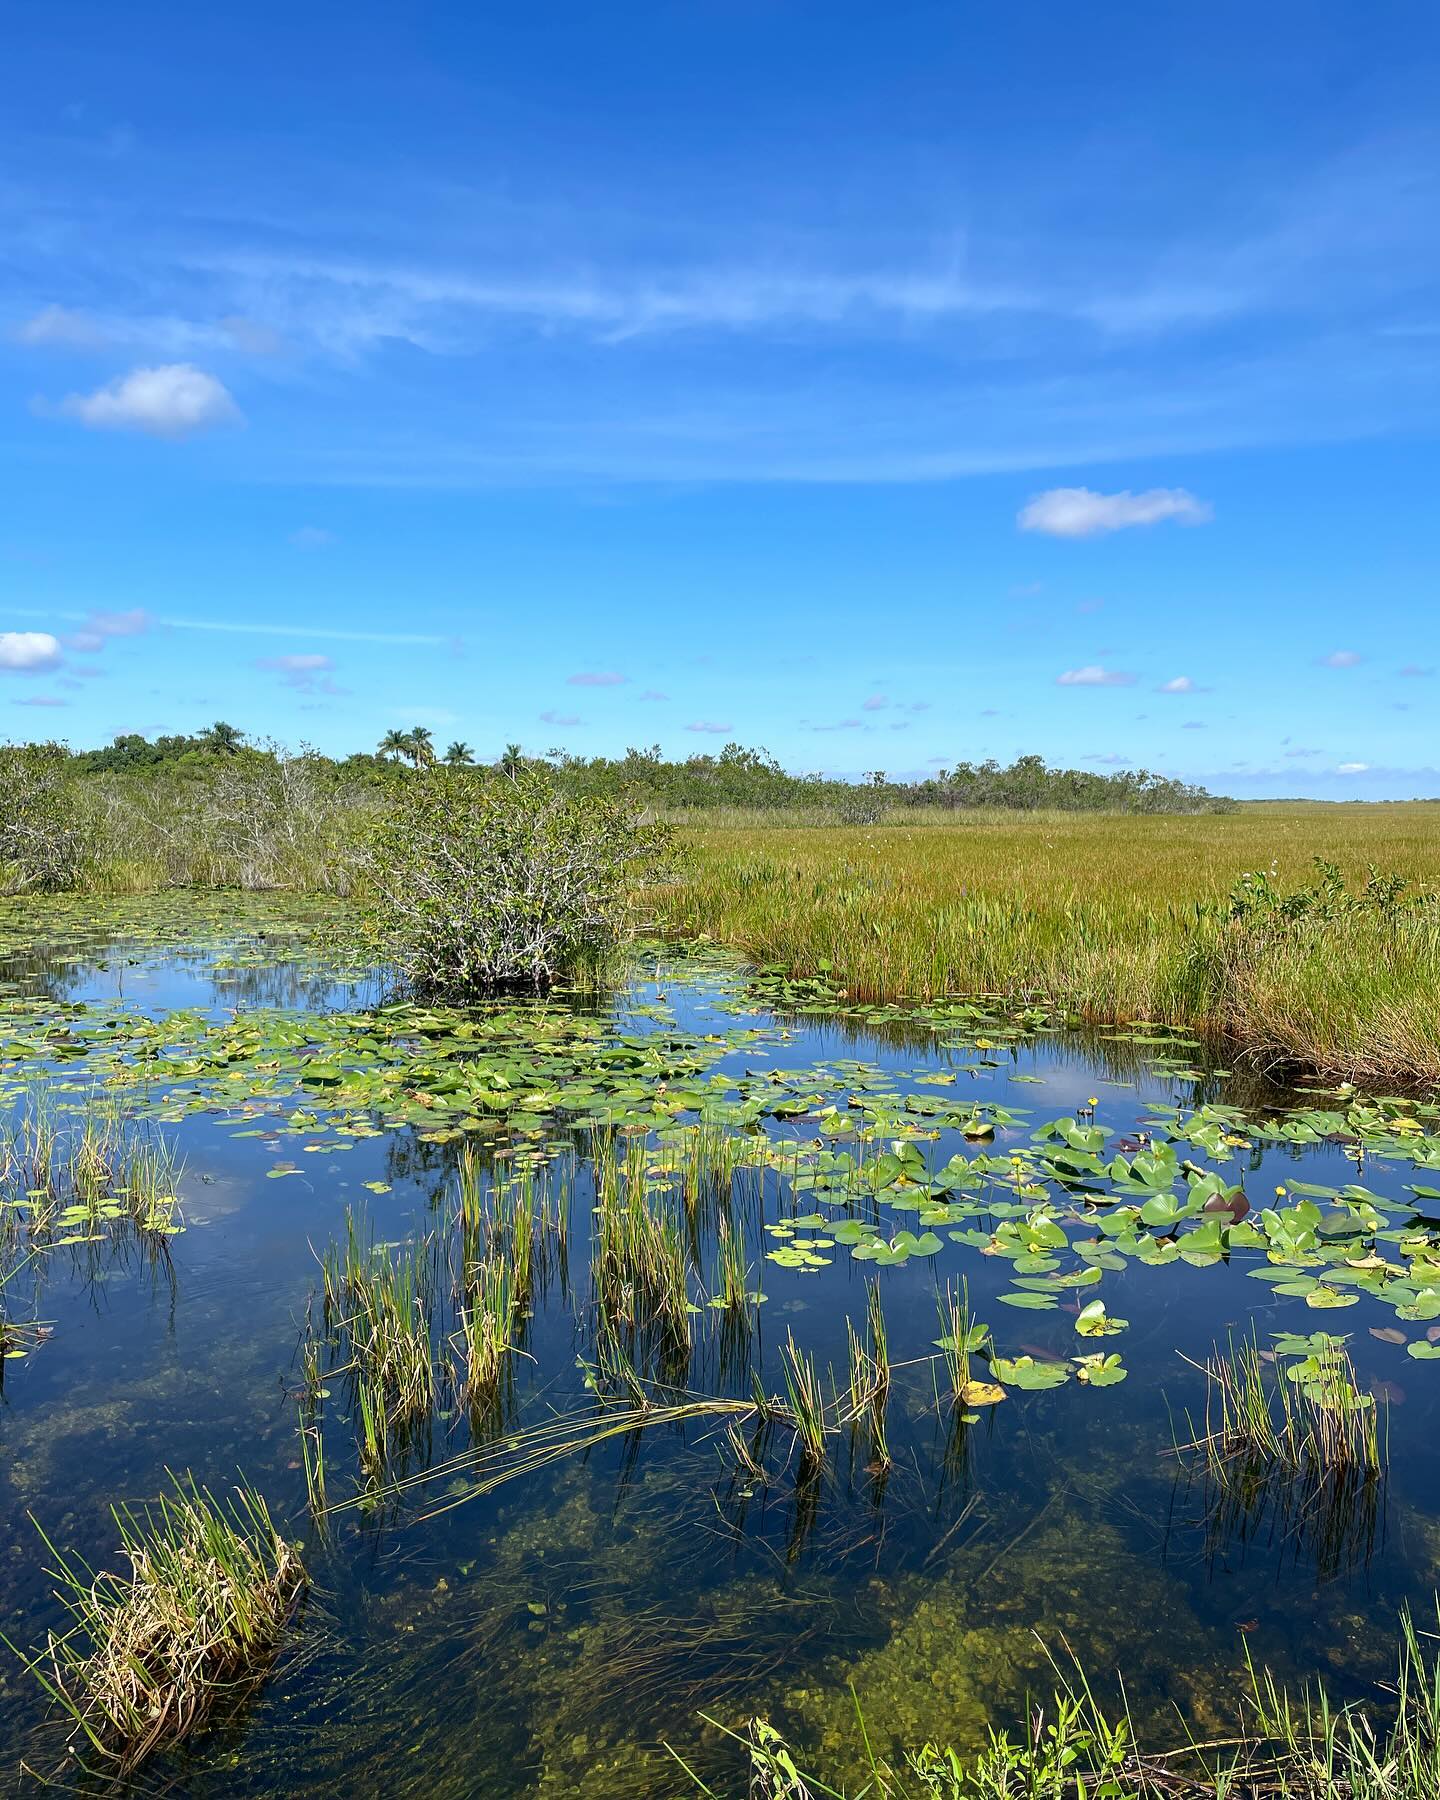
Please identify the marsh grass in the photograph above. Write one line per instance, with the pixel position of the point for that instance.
(1104, 917)
(193, 1627)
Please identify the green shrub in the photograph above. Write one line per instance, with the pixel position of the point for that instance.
(483, 882)
(42, 840)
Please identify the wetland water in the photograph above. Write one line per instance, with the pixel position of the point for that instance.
(548, 1635)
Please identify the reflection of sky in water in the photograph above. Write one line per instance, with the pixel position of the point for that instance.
(542, 1638)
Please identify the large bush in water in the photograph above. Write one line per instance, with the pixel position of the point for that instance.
(42, 836)
(485, 882)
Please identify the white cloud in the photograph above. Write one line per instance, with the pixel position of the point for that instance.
(1415, 672)
(1342, 659)
(1182, 684)
(876, 703)
(171, 401)
(600, 678)
(24, 651)
(1081, 512)
(560, 718)
(1093, 675)
(709, 725)
(654, 694)
(312, 537)
(1352, 768)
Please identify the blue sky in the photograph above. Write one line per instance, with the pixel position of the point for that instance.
(884, 386)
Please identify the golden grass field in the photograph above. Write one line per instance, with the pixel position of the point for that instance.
(1115, 916)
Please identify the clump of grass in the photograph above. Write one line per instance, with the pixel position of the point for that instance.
(378, 1304)
(960, 1338)
(487, 1328)
(732, 1289)
(640, 1266)
(806, 1404)
(1318, 1424)
(870, 1377)
(194, 1625)
(1295, 1456)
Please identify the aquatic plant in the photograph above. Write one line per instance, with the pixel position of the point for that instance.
(1290, 1450)
(150, 1655)
(806, 1409)
(1287, 1746)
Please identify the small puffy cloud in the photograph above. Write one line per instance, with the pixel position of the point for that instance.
(312, 537)
(171, 400)
(561, 718)
(709, 725)
(42, 700)
(1081, 512)
(1181, 684)
(1341, 659)
(654, 694)
(1093, 675)
(1352, 768)
(1193, 725)
(600, 678)
(26, 652)
(876, 703)
(307, 671)
(1414, 672)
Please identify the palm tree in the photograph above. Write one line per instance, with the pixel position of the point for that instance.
(421, 745)
(458, 754)
(513, 761)
(222, 739)
(395, 743)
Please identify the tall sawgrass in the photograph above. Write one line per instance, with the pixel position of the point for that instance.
(1100, 917)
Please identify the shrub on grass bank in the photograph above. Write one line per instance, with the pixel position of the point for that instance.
(478, 884)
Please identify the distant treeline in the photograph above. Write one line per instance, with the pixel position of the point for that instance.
(735, 778)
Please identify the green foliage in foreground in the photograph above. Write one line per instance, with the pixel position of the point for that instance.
(476, 885)
(1284, 1747)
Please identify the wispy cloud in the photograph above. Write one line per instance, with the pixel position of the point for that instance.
(596, 679)
(1342, 659)
(41, 700)
(560, 718)
(709, 725)
(1352, 768)
(308, 672)
(653, 694)
(1081, 512)
(1180, 684)
(1094, 675)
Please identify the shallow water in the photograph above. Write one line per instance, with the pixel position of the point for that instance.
(549, 1636)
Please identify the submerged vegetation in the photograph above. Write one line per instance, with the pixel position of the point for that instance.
(1285, 1746)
